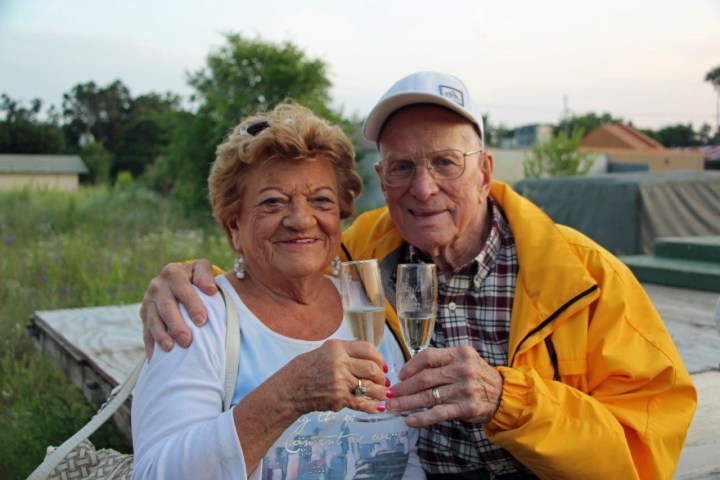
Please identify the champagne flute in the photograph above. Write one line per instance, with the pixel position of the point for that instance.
(363, 302)
(416, 301)
(416, 304)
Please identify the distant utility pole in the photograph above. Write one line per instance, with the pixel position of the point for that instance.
(717, 114)
(566, 116)
(713, 76)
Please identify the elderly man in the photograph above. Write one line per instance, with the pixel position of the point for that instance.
(549, 359)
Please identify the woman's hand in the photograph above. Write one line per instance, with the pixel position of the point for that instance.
(160, 313)
(322, 380)
(326, 378)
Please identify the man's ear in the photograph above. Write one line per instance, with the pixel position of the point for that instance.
(487, 165)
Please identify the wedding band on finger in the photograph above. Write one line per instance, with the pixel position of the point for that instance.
(436, 396)
(360, 390)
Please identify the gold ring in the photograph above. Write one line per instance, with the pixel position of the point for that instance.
(436, 396)
(360, 390)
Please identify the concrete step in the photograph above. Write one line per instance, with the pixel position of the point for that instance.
(704, 249)
(693, 274)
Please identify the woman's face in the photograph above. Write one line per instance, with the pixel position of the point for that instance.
(289, 223)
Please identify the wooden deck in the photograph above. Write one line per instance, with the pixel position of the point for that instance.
(97, 347)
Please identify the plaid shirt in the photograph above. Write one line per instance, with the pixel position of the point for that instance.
(474, 308)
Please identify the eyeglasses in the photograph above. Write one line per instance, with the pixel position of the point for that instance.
(442, 165)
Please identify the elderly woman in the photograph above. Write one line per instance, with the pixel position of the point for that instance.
(279, 187)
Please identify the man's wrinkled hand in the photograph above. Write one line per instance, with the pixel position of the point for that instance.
(162, 322)
(467, 387)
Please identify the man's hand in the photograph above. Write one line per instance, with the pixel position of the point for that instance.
(162, 322)
(467, 387)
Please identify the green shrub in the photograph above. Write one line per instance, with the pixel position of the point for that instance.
(558, 157)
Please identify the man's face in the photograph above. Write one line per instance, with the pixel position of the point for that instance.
(443, 218)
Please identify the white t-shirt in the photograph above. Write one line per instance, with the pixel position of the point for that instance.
(180, 430)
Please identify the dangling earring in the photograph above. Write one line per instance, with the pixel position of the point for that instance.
(239, 267)
(336, 266)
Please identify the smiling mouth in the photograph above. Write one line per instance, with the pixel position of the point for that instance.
(301, 241)
(421, 214)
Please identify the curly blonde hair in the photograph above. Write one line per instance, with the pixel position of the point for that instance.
(289, 132)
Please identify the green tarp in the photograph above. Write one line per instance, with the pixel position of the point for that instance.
(625, 212)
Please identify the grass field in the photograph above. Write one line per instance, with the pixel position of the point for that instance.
(59, 250)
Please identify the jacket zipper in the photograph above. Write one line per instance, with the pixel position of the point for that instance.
(544, 323)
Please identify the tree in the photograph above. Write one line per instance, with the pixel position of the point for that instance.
(134, 131)
(677, 135)
(95, 113)
(240, 78)
(21, 130)
(246, 76)
(558, 157)
(494, 134)
(705, 135)
(587, 122)
(713, 76)
(146, 133)
(98, 161)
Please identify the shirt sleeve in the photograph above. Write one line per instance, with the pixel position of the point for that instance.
(179, 428)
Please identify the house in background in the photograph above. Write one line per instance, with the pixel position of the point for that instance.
(51, 172)
(629, 149)
(528, 135)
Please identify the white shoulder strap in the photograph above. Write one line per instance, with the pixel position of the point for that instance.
(121, 393)
(232, 348)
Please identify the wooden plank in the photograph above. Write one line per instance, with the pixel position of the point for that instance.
(688, 316)
(682, 304)
(700, 457)
(107, 338)
(95, 347)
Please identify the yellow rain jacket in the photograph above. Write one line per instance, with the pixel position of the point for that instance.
(595, 387)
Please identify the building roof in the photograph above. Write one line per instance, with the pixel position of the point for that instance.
(711, 152)
(24, 163)
(616, 135)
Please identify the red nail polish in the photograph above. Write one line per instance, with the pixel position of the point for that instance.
(387, 382)
(385, 367)
(381, 407)
(389, 393)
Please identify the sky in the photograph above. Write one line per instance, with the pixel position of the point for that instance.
(524, 61)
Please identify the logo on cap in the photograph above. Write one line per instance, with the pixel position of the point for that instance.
(452, 94)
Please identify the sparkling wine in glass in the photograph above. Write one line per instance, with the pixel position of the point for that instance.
(363, 299)
(416, 303)
(363, 303)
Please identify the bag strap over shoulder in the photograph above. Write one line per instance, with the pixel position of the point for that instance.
(232, 348)
(120, 394)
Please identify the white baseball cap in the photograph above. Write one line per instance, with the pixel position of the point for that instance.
(423, 87)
